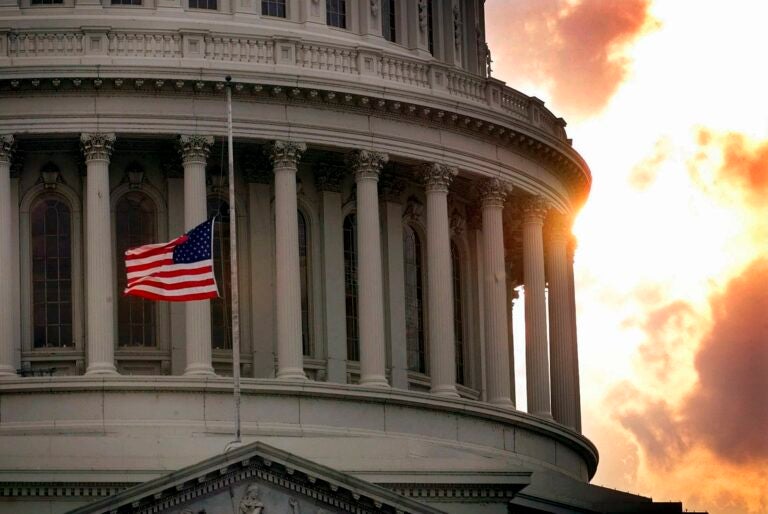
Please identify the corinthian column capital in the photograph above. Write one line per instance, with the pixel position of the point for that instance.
(97, 146)
(286, 154)
(535, 209)
(194, 148)
(493, 192)
(367, 164)
(558, 227)
(7, 148)
(437, 177)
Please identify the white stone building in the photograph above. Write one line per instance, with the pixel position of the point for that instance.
(391, 197)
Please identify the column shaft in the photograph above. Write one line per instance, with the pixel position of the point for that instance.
(396, 292)
(574, 344)
(290, 359)
(442, 342)
(495, 289)
(7, 293)
(560, 328)
(536, 359)
(367, 166)
(194, 150)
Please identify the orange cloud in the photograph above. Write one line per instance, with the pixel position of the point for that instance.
(573, 49)
(645, 173)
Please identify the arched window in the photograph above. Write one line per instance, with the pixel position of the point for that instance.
(414, 301)
(458, 313)
(51, 273)
(350, 287)
(135, 225)
(221, 308)
(306, 344)
(336, 13)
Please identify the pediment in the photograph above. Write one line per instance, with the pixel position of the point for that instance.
(256, 479)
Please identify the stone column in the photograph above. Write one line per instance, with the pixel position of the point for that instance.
(328, 180)
(537, 365)
(442, 343)
(512, 295)
(493, 192)
(290, 359)
(7, 294)
(100, 334)
(560, 327)
(367, 166)
(574, 345)
(194, 154)
(391, 189)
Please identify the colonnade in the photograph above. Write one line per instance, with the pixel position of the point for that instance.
(551, 357)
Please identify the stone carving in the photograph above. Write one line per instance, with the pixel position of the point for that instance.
(423, 15)
(414, 210)
(438, 177)
(534, 208)
(50, 175)
(374, 8)
(194, 147)
(7, 147)
(456, 26)
(293, 503)
(329, 177)
(286, 154)
(493, 191)
(250, 502)
(458, 223)
(558, 226)
(97, 146)
(367, 163)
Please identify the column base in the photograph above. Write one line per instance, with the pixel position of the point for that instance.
(199, 370)
(447, 391)
(101, 368)
(504, 403)
(7, 371)
(291, 374)
(374, 381)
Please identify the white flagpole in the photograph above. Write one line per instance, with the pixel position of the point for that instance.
(233, 265)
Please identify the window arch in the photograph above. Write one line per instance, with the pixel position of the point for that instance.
(458, 313)
(350, 287)
(221, 307)
(306, 339)
(51, 237)
(135, 225)
(414, 300)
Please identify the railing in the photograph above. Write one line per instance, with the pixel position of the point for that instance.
(222, 48)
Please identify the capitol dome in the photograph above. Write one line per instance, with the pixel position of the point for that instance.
(391, 199)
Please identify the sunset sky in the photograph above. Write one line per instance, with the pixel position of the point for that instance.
(667, 100)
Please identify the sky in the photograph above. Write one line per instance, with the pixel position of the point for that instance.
(667, 100)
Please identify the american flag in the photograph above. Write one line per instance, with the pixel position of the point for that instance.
(178, 271)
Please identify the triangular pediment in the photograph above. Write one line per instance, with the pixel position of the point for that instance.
(256, 479)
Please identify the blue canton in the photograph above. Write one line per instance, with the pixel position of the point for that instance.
(198, 245)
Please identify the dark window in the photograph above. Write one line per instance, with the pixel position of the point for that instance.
(51, 273)
(126, 2)
(389, 20)
(221, 307)
(458, 313)
(204, 4)
(47, 2)
(273, 8)
(431, 27)
(414, 301)
(135, 224)
(336, 13)
(304, 277)
(350, 287)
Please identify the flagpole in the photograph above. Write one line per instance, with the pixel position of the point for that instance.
(235, 298)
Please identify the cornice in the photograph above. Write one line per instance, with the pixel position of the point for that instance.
(511, 132)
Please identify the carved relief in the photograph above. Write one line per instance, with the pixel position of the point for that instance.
(367, 163)
(7, 147)
(456, 26)
(97, 146)
(534, 208)
(250, 502)
(458, 223)
(414, 210)
(493, 191)
(423, 21)
(194, 147)
(437, 177)
(374, 8)
(286, 154)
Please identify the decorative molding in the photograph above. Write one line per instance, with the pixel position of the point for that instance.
(329, 177)
(286, 154)
(558, 227)
(493, 192)
(423, 16)
(366, 164)
(534, 209)
(437, 177)
(457, 223)
(62, 489)
(194, 148)
(457, 492)
(456, 26)
(374, 8)
(414, 210)
(7, 148)
(50, 175)
(97, 146)
(134, 175)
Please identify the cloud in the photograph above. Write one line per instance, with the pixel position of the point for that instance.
(728, 409)
(562, 46)
(645, 173)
